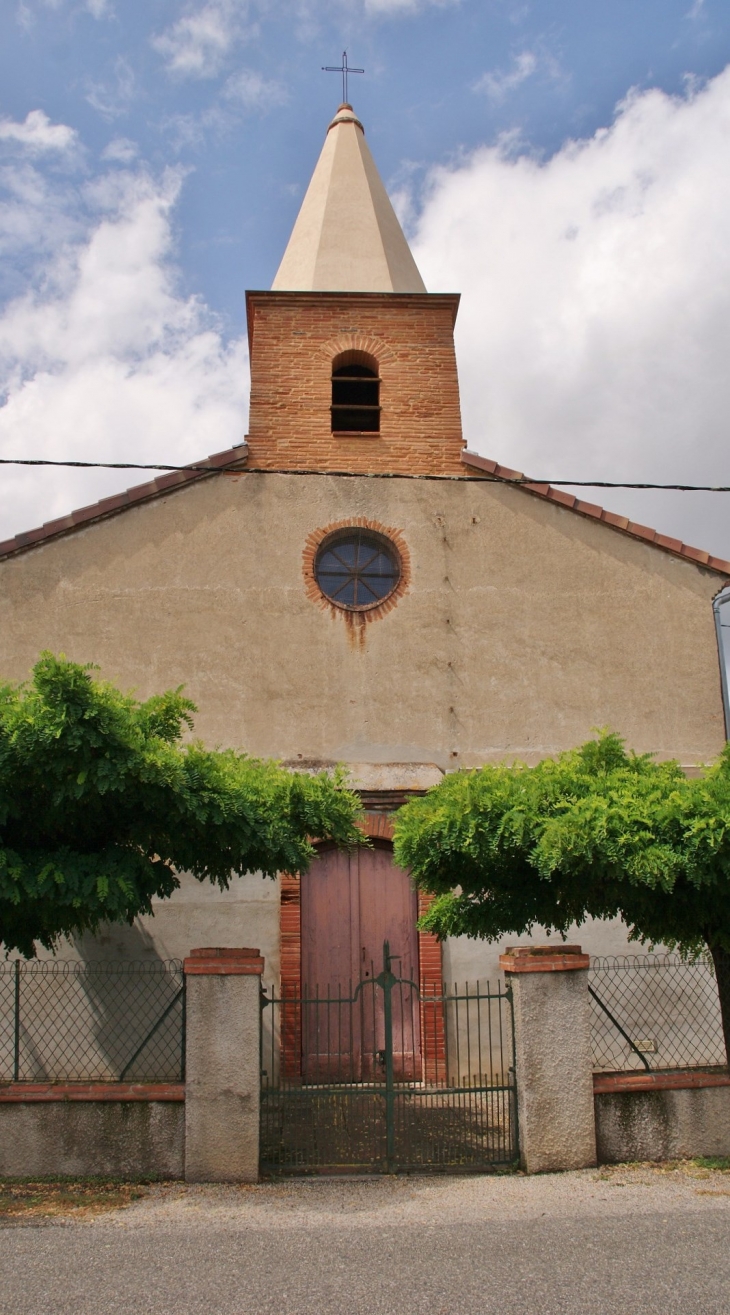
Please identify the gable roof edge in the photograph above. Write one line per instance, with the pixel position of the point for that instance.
(592, 511)
(233, 458)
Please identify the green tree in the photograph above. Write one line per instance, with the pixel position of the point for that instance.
(101, 804)
(596, 832)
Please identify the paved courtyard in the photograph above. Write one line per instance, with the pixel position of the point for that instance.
(628, 1241)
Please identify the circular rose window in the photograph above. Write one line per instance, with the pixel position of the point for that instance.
(357, 569)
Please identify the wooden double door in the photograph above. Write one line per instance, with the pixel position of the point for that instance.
(351, 904)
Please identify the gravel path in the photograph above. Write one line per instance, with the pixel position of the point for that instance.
(629, 1241)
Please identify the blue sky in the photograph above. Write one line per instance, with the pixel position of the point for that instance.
(167, 152)
(440, 80)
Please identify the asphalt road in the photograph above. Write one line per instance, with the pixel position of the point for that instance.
(627, 1242)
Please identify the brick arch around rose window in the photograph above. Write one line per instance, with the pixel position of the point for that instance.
(356, 621)
(379, 828)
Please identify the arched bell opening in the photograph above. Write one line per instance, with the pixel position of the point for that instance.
(355, 405)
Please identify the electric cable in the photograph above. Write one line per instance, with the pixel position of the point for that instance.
(233, 468)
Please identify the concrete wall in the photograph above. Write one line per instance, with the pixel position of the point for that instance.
(125, 1139)
(662, 1125)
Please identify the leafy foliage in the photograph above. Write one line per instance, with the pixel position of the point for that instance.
(100, 805)
(596, 832)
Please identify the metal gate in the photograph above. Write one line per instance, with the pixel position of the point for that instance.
(388, 1078)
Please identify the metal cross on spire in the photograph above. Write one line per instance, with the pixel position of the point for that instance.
(345, 70)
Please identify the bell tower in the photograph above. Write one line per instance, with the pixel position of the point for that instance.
(352, 361)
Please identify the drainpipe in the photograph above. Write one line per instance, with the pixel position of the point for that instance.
(723, 651)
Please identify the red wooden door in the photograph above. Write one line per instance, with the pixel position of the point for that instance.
(388, 912)
(350, 905)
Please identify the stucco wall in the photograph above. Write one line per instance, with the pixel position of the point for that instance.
(662, 1125)
(468, 960)
(127, 1139)
(198, 914)
(553, 1068)
(223, 1076)
(523, 627)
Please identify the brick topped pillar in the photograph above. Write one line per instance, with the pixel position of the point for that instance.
(553, 1060)
(222, 1065)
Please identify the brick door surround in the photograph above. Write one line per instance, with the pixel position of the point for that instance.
(378, 826)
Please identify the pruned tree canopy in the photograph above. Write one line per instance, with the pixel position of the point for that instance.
(596, 832)
(101, 804)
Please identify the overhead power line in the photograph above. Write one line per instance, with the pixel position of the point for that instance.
(622, 484)
(233, 468)
(104, 465)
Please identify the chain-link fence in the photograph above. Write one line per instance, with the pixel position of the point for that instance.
(63, 1021)
(654, 1011)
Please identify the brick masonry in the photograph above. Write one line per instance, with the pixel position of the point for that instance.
(217, 961)
(679, 1080)
(543, 959)
(294, 340)
(39, 1092)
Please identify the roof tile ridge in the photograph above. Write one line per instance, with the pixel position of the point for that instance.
(591, 509)
(116, 502)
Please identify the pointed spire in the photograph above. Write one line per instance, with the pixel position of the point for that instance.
(347, 237)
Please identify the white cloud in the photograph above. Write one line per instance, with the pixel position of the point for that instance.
(121, 150)
(199, 42)
(386, 7)
(318, 15)
(395, 5)
(250, 89)
(101, 357)
(246, 91)
(498, 83)
(184, 131)
(113, 97)
(37, 133)
(26, 12)
(594, 331)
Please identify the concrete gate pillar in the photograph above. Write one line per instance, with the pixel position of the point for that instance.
(222, 1065)
(553, 1060)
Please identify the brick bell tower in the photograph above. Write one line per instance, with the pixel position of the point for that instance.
(352, 361)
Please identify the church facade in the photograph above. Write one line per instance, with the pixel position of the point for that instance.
(353, 585)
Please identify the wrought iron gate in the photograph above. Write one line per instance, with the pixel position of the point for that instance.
(388, 1078)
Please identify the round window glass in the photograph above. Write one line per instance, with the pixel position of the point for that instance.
(357, 568)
